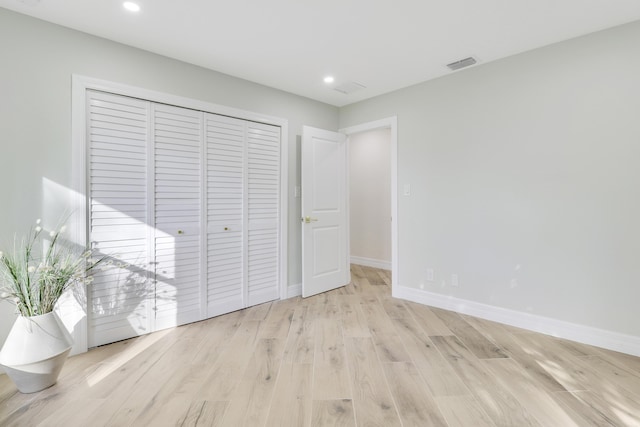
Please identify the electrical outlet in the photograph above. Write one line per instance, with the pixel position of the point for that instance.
(454, 280)
(430, 274)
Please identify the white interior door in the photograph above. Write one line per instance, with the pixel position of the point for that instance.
(121, 297)
(263, 213)
(226, 181)
(325, 258)
(177, 134)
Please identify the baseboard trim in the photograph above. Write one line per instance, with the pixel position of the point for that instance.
(370, 262)
(294, 290)
(615, 341)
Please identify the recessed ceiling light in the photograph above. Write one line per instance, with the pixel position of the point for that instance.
(329, 79)
(131, 6)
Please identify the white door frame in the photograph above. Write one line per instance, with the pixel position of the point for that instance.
(392, 124)
(75, 317)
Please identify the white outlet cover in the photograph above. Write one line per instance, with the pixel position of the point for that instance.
(430, 274)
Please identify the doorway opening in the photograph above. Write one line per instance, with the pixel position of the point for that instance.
(325, 206)
(372, 202)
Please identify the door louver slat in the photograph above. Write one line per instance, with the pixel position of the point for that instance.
(117, 139)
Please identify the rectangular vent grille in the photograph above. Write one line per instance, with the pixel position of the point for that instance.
(466, 62)
(349, 87)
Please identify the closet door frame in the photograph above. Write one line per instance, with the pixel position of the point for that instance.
(78, 226)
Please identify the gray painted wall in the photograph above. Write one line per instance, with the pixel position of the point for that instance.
(38, 60)
(525, 180)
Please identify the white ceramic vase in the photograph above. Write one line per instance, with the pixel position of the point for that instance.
(35, 351)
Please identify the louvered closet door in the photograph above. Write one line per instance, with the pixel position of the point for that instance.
(263, 211)
(117, 141)
(225, 154)
(177, 134)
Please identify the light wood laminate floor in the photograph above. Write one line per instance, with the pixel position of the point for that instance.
(350, 357)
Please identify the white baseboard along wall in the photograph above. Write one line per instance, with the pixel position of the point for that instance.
(370, 262)
(615, 341)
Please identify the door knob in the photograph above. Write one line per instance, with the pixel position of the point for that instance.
(308, 219)
(180, 232)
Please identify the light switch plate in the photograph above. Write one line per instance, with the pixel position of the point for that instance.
(407, 189)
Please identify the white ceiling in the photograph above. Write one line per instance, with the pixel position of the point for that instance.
(293, 44)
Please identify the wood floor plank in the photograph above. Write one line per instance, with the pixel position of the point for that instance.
(584, 413)
(231, 364)
(330, 374)
(353, 321)
(505, 340)
(416, 406)
(390, 348)
(439, 376)
(201, 414)
(291, 405)
(554, 362)
(529, 393)
(428, 321)
(7, 389)
(326, 308)
(576, 348)
(360, 282)
(395, 308)
(463, 411)
(259, 312)
(186, 378)
(250, 401)
(503, 408)
(587, 375)
(479, 345)
(338, 413)
(372, 399)
(617, 375)
(66, 416)
(151, 391)
(278, 321)
(372, 275)
(622, 412)
(626, 361)
(385, 338)
(385, 276)
(301, 339)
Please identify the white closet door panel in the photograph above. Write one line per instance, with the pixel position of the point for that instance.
(225, 214)
(177, 195)
(117, 141)
(263, 210)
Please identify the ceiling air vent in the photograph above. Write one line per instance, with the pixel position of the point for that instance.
(462, 63)
(349, 87)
